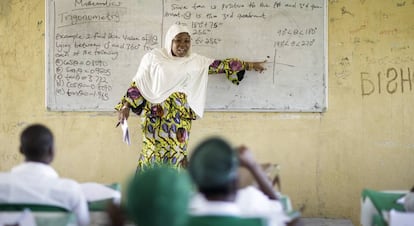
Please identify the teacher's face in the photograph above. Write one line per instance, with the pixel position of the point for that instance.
(181, 44)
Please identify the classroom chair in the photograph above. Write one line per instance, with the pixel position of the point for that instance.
(375, 206)
(44, 215)
(98, 208)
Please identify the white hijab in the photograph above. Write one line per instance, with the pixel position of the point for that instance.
(160, 74)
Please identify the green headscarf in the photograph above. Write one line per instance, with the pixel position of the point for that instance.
(159, 196)
(213, 164)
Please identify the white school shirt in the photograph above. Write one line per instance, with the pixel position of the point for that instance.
(250, 202)
(38, 183)
(199, 206)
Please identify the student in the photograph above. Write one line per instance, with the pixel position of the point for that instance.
(36, 182)
(169, 89)
(156, 196)
(409, 201)
(214, 166)
(264, 201)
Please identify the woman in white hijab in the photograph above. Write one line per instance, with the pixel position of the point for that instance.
(169, 89)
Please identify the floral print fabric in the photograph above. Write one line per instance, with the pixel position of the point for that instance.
(166, 126)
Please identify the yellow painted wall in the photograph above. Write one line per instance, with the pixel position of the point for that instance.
(365, 139)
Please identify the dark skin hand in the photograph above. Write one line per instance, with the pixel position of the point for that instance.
(123, 113)
(256, 66)
(247, 160)
(116, 215)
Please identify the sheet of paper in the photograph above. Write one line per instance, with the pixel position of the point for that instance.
(125, 132)
(95, 192)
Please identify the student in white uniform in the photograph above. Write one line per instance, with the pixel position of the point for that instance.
(214, 167)
(35, 182)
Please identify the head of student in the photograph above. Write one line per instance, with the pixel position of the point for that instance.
(36, 144)
(178, 41)
(213, 166)
(159, 195)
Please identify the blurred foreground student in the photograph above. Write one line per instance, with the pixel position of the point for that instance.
(214, 167)
(156, 196)
(409, 201)
(36, 182)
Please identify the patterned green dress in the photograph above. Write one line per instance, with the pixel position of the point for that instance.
(166, 126)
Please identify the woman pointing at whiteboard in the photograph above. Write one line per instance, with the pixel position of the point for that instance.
(169, 91)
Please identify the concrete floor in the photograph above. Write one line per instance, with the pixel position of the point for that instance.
(326, 222)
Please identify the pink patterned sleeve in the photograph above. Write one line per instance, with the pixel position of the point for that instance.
(232, 67)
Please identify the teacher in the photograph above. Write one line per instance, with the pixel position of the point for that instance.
(169, 90)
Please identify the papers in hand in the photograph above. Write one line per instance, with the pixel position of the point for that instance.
(125, 132)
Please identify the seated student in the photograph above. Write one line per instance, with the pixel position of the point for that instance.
(36, 182)
(409, 201)
(213, 167)
(157, 196)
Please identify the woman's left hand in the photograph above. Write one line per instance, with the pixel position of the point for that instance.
(257, 66)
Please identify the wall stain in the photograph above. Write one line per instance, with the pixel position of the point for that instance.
(5, 8)
(343, 71)
(9, 157)
(39, 25)
(344, 62)
(345, 11)
(12, 128)
(333, 19)
(357, 40)
(401, 4)
(362, 27)
(399, 60)
(382, 16)
(400, 48)
(389, 32)
(370, 41)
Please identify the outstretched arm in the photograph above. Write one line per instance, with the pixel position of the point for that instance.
(247, 160)
(234, 68)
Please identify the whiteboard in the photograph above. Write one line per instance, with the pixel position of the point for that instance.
(93, 49)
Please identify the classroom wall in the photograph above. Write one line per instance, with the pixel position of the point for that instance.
(363, 140)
